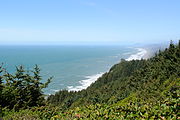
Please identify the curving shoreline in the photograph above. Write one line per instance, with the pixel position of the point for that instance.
(86, 82)
(141, 54)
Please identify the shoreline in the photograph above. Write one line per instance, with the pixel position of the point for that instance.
(142, 53)
(85, 83)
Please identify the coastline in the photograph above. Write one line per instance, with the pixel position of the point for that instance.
(139, 55)
(142, 53)
(85, 83)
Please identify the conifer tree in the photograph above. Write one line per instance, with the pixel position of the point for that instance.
(23, 89)
(1, 86)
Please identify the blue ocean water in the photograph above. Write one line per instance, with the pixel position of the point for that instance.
(72, 67)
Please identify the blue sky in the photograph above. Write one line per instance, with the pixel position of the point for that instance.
(89, 21)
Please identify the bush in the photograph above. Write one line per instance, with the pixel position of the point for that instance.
(22, 89)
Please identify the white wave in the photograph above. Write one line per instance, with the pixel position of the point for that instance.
(91, 79)
(85, 83)
(141, 54)
(54, 90)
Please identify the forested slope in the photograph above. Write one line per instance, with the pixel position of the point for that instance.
(145, 78)
(137, 89)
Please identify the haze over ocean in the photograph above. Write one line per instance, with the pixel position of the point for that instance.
(72, 67)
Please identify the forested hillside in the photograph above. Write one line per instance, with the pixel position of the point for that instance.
(137, 89)
(146, 77)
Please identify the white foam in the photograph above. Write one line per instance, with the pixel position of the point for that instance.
(141, 54)
(85, 83)
(54, 90)
(91, 79)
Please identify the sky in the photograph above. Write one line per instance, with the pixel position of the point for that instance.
(89, 21)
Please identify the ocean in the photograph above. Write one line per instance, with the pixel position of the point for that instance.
(73, 67)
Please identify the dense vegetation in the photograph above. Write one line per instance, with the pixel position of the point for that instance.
(137, 89)
(22, 89)
(146, 77)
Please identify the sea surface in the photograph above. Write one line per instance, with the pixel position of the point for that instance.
(72, 67)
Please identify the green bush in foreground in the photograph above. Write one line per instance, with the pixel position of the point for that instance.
(162, 110)
(22, 89)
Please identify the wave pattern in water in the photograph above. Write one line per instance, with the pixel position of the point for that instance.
(67, 64)
(91, 79)
(85, 83)
(139, 55)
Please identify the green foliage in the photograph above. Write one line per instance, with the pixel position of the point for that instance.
(165, 109)
(144, 78)
(137, 89)
(20, 115)
(22, 89)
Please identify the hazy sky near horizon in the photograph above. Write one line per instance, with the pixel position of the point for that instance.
(89, 21)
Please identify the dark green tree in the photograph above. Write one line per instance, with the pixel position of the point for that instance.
(22, 89)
